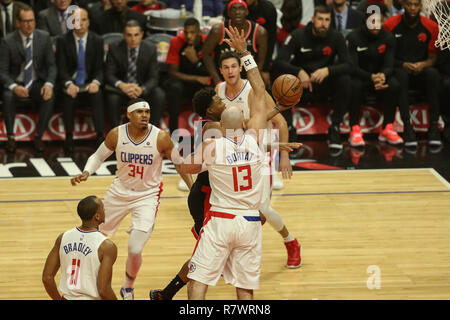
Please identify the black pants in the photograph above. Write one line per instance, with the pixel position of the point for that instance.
(198, 200)
(445, 99)
(428, 80)
(45, 108)
(116, 100)
(338, 87)
(389, 97)
(177, 92)
(94, 102)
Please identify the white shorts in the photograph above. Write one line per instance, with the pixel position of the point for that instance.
(119, 201)
(231, 246)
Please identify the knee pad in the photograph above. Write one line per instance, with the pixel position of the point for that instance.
(272, 217)
(137, 241)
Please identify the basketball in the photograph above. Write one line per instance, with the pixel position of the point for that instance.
(287, 90)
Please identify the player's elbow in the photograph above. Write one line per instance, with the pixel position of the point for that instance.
(47, 279)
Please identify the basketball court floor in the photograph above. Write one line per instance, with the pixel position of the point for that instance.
(372, 226)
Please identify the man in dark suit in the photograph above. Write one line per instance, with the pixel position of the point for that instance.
(54, 18)
(114, 19)
(79, 57)
(344, 17)
(27, 70)
(131, 72)
(9, 10)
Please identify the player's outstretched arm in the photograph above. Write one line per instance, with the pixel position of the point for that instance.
(98, 157)
(257, 106)
(204, 155)
(51, 267)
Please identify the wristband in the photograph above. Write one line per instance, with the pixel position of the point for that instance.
(243, 52)
(248, 62)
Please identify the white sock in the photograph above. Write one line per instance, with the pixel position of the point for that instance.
(289, 238)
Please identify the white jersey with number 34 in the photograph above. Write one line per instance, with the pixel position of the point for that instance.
(139, 163)
(235, 176)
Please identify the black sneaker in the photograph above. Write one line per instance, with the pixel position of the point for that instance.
(434, 135)
(409, 137)
(334, 137)
(156, 295)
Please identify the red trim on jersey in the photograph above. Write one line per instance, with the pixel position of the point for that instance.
(249, 28)
(159, 197)
(254, 37)
(221, 215)
(271, 173)
(62, 298)
(431, 26)
(206, 207)
(392, 22)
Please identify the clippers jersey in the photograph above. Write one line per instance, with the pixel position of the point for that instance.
(139, 164)
(78, 255)
(240, 100)
(235, 176)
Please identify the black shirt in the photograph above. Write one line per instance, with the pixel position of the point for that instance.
(369, 53)
(311, 53)
(412, 44)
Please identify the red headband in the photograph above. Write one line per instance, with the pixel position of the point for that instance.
(237, 1)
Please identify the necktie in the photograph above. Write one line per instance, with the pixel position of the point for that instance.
(339, 26)
(81, 64)
(28, 78)
(132, 67)
(63, 22)
(8, 28)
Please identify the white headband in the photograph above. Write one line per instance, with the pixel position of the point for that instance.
(138, 105)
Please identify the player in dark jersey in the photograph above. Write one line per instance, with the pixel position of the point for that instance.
(315, 49)
(415, 56)
(214, 45)
(371, 53)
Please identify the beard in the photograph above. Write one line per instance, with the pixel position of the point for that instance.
(410, 19)
(320, 32)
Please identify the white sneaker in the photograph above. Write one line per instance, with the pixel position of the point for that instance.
(182, 185)
(277, 184)
(127, 293)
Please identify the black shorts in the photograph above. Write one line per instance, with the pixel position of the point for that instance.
(198, 201)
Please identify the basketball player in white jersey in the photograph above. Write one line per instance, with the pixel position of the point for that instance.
(85, 256)
(140, 148)
(235, 91)
(230, 242)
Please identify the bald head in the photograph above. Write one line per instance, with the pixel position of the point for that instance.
(232, 118)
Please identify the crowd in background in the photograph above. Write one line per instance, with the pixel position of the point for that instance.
(328, 44)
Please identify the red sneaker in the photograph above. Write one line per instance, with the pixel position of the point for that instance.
(390, 135)
(356, 137)
(294, 250)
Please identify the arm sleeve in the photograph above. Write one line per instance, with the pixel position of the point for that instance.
(97, 158)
